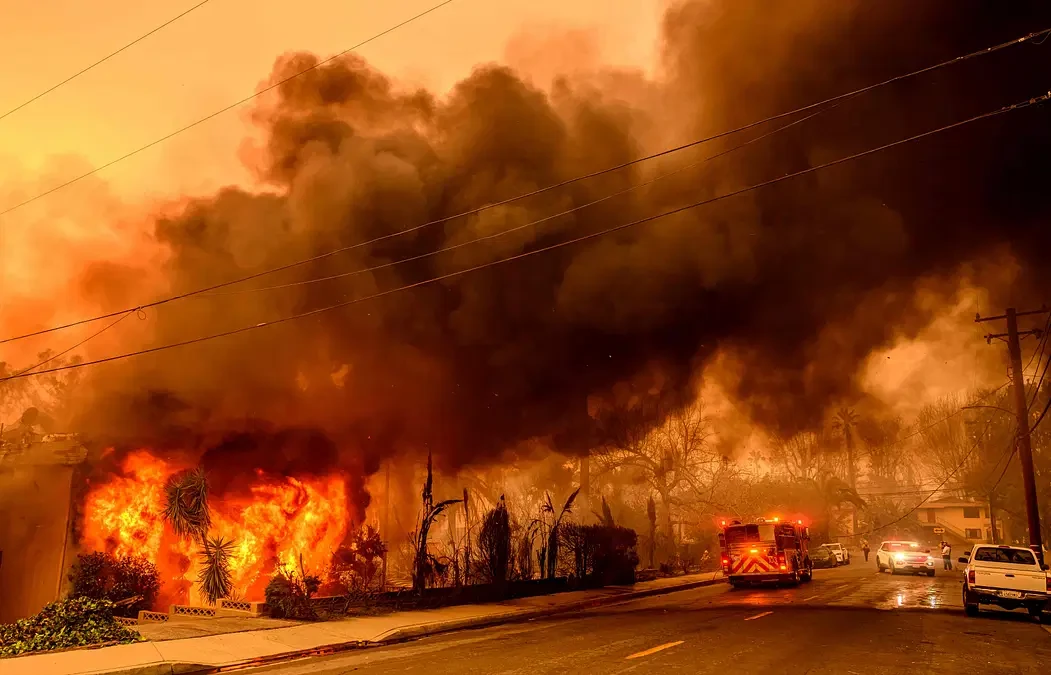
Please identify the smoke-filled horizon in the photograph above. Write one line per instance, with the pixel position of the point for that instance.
(784, 295)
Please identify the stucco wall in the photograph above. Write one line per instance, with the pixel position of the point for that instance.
(34, 508)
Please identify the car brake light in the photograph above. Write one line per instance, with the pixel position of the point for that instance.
(970, 576)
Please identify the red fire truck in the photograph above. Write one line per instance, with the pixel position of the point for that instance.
(765, 550)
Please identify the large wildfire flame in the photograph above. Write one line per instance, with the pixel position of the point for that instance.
(281, 520)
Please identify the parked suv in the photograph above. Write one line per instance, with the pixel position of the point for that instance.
(1006, 576)
(904, 556)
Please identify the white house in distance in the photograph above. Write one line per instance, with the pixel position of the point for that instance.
(959, 521)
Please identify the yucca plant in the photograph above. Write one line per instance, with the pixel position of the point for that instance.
(423, 563)
(214, 578)
(186, 504)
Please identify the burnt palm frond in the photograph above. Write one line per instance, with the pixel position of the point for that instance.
(568, 507)
(440, 507)
(186, 504)
(214, 577)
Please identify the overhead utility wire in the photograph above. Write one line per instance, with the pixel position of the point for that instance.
(102, 60)
(594, 174)
(71, 348)
(1032, 402)
(473, 241)
(215, 114)
(954, 414)
(533, 223)
(1039, 353)
(1031, 429)
(526, 254)
(923, 501)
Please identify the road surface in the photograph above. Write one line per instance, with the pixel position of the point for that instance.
(848, 620)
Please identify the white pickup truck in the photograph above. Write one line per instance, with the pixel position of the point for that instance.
(1006, 576)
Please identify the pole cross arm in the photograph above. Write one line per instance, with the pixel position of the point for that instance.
(978, 318)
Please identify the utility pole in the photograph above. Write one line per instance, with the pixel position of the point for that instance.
(1025, 450)
(993, 534)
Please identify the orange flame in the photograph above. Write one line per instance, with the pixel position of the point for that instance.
(281, 520)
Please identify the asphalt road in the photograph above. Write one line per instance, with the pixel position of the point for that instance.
(848, 620)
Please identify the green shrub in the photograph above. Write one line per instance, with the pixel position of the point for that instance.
(73, 622)
(103, 576)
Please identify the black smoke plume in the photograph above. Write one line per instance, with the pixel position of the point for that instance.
(801, 281)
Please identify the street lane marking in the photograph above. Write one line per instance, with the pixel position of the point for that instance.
(810, 598)
(1047, 628)
(654, 650)
(758, 616)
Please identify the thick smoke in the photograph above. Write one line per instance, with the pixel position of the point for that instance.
(798, 283)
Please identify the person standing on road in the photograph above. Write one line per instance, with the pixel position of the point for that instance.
(865, 549)
(946, 555)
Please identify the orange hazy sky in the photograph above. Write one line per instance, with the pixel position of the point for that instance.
(220, 52)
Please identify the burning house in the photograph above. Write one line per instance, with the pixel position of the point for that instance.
(271, 523)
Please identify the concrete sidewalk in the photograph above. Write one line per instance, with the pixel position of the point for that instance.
(256, 647)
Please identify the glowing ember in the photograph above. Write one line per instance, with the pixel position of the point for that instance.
(281, 520)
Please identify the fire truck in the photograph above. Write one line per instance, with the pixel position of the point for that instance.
(765, 550)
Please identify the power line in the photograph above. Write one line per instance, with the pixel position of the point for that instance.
(236, 104)
(587, 237)
(533, 223)
(1006, 467)
(925, 499)
(102, 60)
(1042, 414)
(594, 174)
(953, 414)
(71, 348)
(918, 491)
(1039, 353)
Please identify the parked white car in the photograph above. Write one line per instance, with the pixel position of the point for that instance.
(842, 554)
(1006, 576)
(904, 556)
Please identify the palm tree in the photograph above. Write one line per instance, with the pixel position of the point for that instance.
(214, 577)
(846, 421)
(186, 504)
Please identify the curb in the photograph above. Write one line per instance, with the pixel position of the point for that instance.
(408, 633)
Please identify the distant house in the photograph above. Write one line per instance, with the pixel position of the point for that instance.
(961, 521)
